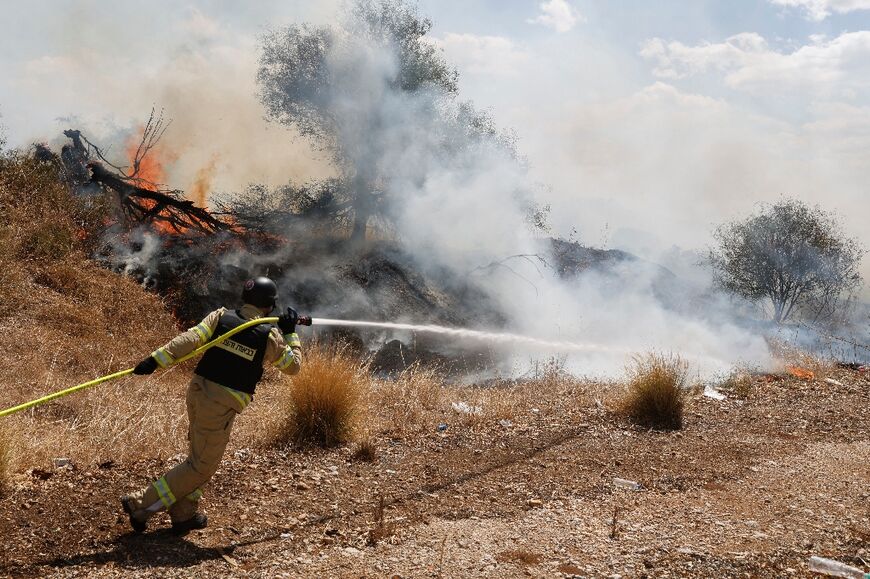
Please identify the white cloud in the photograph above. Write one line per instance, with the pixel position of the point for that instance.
(820, 9)
(558, 15)
(839, 67)
(673, 164)
(476, 55)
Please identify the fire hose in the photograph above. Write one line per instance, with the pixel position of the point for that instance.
(303, 320)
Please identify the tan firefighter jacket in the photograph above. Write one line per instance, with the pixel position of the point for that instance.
(282, 352)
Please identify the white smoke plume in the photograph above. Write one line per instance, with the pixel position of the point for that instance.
(460, 198)
(653, 166)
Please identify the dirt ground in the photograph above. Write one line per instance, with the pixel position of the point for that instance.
(749, 488)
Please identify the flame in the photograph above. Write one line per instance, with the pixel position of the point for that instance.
(151, 172)
(798, 372)
(202, 184)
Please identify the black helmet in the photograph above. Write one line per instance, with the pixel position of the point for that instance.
(261, 292)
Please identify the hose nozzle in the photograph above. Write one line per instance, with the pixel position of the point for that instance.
(303, 321)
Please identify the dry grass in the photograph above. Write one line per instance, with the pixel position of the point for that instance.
(738, 384)
(381, 529)
(656, 391)
(65, 320)
(409, 403)
(5, 458)
(365, 451)
(325, 399)
(788, 356)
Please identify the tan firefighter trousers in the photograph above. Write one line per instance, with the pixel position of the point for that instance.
(211, 409)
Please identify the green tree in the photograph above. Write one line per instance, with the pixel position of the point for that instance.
(793, 255)
(327, 83)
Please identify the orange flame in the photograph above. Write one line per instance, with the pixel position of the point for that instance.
(151, 172)
(800, 372)
(202, 184)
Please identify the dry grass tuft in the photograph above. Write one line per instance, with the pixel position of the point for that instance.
(738, 384)
(325, 399)
(381, 529)
(656, 391)
(365, 451)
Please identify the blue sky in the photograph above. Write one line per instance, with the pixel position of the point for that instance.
(646, 122)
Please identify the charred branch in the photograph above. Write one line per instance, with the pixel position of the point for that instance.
(142, 205)
(141, 201)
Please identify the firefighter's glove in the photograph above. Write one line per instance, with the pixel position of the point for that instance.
(287, 321)
(146, 366)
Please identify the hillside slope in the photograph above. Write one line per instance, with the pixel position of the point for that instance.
(64, 320)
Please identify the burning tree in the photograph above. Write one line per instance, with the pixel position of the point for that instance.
(363, 91)
(794, 255)
(141, 199)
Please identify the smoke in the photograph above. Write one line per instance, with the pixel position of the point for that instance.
(134, 254)
(632, 162)
(460, 199)
(103, 68)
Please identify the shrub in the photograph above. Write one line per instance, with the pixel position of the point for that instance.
(325, 399)
(656, 391)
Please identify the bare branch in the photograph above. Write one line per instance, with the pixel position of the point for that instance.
(524, 256)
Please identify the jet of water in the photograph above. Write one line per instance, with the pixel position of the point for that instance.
(500, 337)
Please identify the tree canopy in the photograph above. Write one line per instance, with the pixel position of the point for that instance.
(378, 96)
(791, 254)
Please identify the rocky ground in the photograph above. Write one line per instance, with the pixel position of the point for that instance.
(751, 487)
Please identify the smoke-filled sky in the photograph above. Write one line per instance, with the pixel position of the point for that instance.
(647, 123)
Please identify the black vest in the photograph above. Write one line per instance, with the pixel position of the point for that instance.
(237, 362)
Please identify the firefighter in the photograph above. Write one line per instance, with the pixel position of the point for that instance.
(222, 386)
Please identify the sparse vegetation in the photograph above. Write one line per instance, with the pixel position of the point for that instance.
(408, 403)
(738, 384)
(656, 391)
(381, 529)
(325, 399)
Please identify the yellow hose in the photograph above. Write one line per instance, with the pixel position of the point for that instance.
(108, 377)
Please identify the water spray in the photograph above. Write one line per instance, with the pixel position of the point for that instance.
(498, 337)
(504, 338)
(462, 333)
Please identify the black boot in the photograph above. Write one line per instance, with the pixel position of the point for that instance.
(138, 526)
(197, 521)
